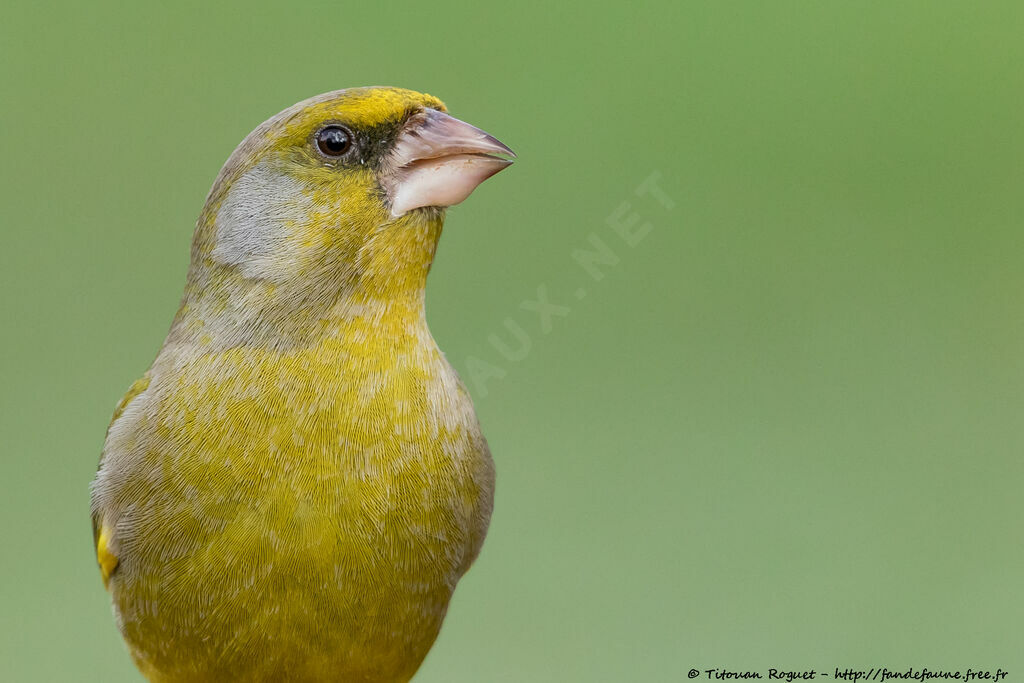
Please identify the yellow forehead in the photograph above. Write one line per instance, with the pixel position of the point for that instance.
(361, 108)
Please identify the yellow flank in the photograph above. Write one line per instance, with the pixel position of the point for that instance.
(106, 559)
(298, 482)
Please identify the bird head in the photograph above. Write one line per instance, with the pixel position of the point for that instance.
(335, 203)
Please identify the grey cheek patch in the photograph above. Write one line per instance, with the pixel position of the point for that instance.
(255, 221)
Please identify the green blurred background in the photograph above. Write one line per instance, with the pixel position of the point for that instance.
(783, 430)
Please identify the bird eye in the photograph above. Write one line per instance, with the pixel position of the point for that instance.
(334, 140)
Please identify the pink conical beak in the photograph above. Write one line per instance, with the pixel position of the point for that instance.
(439, 160)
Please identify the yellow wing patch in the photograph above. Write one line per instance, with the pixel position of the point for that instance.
(106, 559)
(134, 390)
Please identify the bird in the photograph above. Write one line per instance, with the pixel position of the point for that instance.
(294, 487)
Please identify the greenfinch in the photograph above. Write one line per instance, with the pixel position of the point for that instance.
(293, 489)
